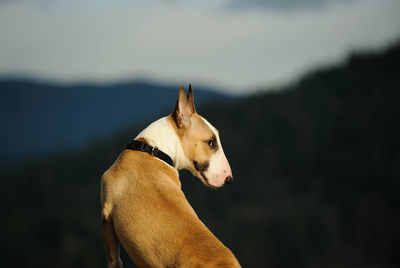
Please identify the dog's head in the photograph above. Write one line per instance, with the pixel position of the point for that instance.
(200, 143)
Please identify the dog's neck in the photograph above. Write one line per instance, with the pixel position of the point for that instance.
(162, 135)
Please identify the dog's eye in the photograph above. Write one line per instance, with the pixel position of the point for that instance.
(210, 143)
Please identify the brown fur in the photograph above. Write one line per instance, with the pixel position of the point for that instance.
(152, 218)
(144, 208)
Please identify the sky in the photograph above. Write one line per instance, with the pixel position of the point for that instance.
(237, 46)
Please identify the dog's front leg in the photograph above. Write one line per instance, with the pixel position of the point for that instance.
(111, 243)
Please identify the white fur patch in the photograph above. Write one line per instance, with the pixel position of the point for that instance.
(162, 135)
(219, 167)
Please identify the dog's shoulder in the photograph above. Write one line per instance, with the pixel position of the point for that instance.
(114, 182)
(136, 169)
(132, 174)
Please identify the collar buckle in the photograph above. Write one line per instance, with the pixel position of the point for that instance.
(154, 151)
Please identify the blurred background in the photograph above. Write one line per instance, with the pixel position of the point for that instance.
(304, 93)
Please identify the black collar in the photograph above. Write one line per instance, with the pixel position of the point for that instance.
(154, 151)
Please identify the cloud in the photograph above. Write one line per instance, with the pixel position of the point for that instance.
(181, 43)
(283, 5)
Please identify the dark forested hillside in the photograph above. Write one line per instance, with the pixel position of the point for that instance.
(316, 167)
(39, 118)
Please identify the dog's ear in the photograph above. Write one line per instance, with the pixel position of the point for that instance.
(183, 110)
(191, 99)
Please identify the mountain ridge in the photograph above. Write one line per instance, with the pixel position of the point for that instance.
(41, 118)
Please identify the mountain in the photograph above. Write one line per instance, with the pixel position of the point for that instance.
(316, 179)
(41, 118)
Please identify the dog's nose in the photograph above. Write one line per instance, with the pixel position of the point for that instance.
(228, 180)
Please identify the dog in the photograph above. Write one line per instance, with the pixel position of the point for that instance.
(143, 206)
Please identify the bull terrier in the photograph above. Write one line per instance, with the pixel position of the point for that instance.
(143, 206)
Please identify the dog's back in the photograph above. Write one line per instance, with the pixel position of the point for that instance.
(152, 218)
(143, 205)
